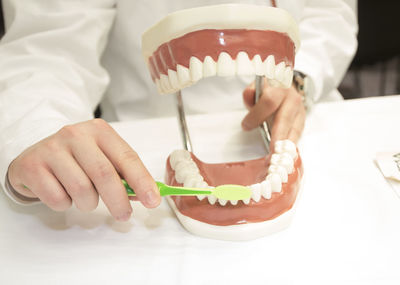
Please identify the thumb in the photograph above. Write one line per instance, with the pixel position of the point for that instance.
(248, 96)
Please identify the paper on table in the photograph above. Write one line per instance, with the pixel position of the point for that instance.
(389, 164)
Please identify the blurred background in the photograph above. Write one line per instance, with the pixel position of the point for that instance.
(375, 70)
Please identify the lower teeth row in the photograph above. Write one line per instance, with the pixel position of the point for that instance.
(281, 166)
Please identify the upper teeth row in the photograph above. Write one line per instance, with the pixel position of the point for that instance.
(281, 165)
(278, 74)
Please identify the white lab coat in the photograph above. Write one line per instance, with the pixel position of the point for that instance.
(60, 59)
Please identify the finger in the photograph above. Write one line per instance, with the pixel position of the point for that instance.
(47, 188)
(74, 180)
(15, 181)
(104, 177)
(130, 166)
(298, 126)
(285, 117)
(248, 96)
(269, 102)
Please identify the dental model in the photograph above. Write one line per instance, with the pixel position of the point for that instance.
(228, 40)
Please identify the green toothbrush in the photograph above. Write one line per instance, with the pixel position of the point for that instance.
(226, 192)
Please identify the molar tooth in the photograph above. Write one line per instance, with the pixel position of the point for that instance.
(200, 197)
(202, 184)
(286, 146)
(183, 75)
(222, 202)
(288, 77)
(275, 158)
(280, 170)
(276, 182)
(269, 65)
(212, 199)
(184, 169)
(165, 82)
(173, 79)
(243, 64)
(258, 65)
(287, 162)
(196, 68)
(185, 164)
(256, 192)
(266, 191)
(246, 201)
(279, 72)
(192, 180)
(225, 66)
(178, 155)
(284, 159)
(209, 67)
(233, 202)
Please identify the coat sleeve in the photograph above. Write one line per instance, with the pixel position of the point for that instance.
(328, 31)
(50, 73)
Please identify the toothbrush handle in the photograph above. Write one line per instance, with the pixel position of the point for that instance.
(166, 190)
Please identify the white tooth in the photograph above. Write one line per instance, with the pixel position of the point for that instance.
(200, 197)
(279, 72)
(258, 65)
(288, 77)
(185, 164)
(209, 67)
(243, 64)
(246, 201)
(178, 155)
(192, 180)
(269, 65)
(183, 75)
(284, 159)
(212, 199)
(286, 146)
(181, 175)
(275, 158)
(280, 170)
(196, 68)
(202, 184)
(276, 182)
(287, 162)
(173, 79)
(233, 202)
(165, 83)
(185, 169)
(266, 189)
(225, 66)
(222, 202)
(256, 192)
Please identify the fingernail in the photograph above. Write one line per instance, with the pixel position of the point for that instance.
(151, 198)
(125, 217)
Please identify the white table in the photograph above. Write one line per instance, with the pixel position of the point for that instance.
(346, 229)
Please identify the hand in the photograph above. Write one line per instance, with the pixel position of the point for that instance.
(283, 109)
(79, 163)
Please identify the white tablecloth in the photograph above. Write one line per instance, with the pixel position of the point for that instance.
(346, 229)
